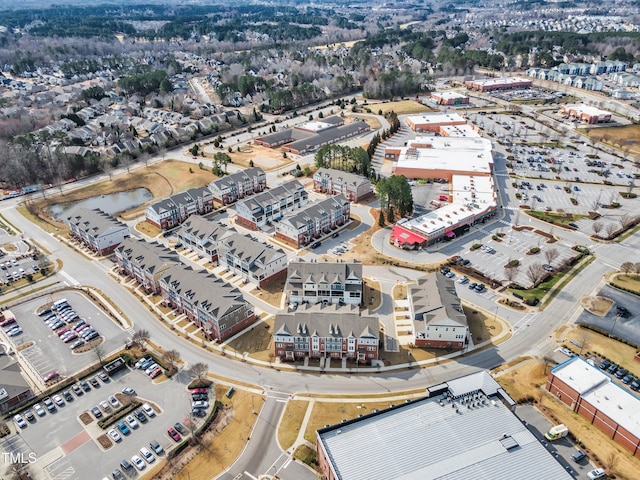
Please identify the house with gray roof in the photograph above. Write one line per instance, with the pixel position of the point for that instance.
(326, 331)
(213, 305)
(256, 262)
(314, 221)
(14, 389)
(98, 230)
(324, 282)
(464, 429)
(336, 182)
(436, 311)
(146, 262)
(172, 211)
(271, 205)
(202, 235)
(231, 188)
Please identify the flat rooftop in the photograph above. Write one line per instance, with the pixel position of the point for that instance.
(449, 94)
(587, 109)
(579, 375)
(459, 131)
(455, 434)
(462, 154)
(435, 118)
(500, 81)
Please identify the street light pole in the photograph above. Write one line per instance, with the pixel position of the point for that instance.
(614, 325)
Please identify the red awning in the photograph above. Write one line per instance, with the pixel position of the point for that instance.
(449, 234)
(402, 236)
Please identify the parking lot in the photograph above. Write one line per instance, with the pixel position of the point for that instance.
(68, 449)
(48, 352)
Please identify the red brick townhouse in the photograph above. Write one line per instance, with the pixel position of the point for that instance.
(591, 393)
(336, 182)
(146, 262)
(172, 211)
(98, 230)
(314, 221)
(327, 331)
(230, 188)
(215, 306)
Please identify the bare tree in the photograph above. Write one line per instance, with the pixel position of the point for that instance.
(172, 357)
(548, 363)
(627, 267)
(611, 462)
(597, 227)
(535, 273)
(626, 220)
(630, 187)
(106, 166)
(551, 254)
(510, 273)
(140, 338)
(126, 160)
(99, 352)
(198, 371)
(610, 229)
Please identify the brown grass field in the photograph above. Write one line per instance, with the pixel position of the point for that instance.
(401, 107)
(627, 281)
(626, 138)
(291, 422)
(527, 381)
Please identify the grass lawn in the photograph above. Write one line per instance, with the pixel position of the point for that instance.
(147, 229)
(482, 327)
(401, 107)
(256, 341)
(599, 344)
(556, 218)
(263, 157)
(372, 294)
(627, 281)
(399, 292)
(331, 413)
(271, 292)
(527, 381)
(307, 455)
(291, 422)
(229, 443)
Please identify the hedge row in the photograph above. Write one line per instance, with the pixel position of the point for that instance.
(118, 414)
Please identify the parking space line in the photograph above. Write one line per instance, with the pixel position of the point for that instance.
(61, 470)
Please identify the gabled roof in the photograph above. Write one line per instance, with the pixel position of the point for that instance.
(335, 272)
(434, 301)
(340, 177)
(152, 257)
(235, 178)
(273, 195)
(314, 211)
(95, 222)
(203, 228)
(246, 249)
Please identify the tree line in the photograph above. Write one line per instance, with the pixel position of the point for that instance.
(395, 197)
(347, 159)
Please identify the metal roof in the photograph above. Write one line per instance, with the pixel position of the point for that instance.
(439, 438)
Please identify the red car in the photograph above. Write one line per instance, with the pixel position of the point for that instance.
(51, 376)
(63, 331)
(156, 373)
(8, 321)
(174, 435)
(198, 390)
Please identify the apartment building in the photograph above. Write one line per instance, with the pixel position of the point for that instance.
(326, 331)
(172, 211)
(314, 221)
(336, 182)
(231, 188)
(324, 282)
(202, 236)
(271, 205)
(213, 305)
(97, 230)
(145, 261)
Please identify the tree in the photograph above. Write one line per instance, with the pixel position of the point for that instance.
(551, 254)
(627, 267)
(172, 357)
(610, 229)
(395, 195)
(198, 371)
(626, 220)
(535, 273)
(140, 338)
(510, 273)
(98, 351)
(597, 227)
(381, 221)
(194, 149)
(611, 462)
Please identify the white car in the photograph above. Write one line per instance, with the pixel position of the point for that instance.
(148, 410)
(104, 406)
(132, 421)
(14, 332)
(147, 455)
(19, 421)
(39, 410)
(137, 461)
(114, 401)
(200, 404)
(596, 474)
(58, 400)
(115, 436)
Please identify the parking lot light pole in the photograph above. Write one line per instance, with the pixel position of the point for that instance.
(614, 325)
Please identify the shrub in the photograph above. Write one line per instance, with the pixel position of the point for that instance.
(534, 250)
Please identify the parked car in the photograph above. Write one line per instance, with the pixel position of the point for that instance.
(604, 365)
(174, 435)
(612, 368)
(199, 390)
(139, 414)
(156, 373)
(117, 475)
(627, 378)
(148, 410)
(140, 362)
(20, 421)
(147, 455)
(463, 280)
(180, 428)
(94, 383)
(635, 385)
(199, 396)
(472, 285)
(150, 368)
(115, 436)
(105, 406)
(199, 412)
(156, 447)
(137, 461)
(577, 456)
(77, 390)
(85, 386)
(67, 396)
(58, 400)
(596, 473)
(51, 376)
(103, 376)
(28, 414)
(200, 404)
(39, 410)
(123, 428)
(49, 405)
(621, 372)
(113, 401)
(96, 412)
(128, 391)
(77, 344)
(132, 422)
(480, 288)
(126, 466)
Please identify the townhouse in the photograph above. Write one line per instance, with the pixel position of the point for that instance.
(172, 211)
(98, 230)
(336, 182)
(324, 282)
(314, 221)
(254, 261)
(271, 205)
(437, 315)
(213, 305)
(202, 235)
(326, 331)
(230, 188)
(145, 262)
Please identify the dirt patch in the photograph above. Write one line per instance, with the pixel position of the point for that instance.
(263, 157)
(147, 229)
(24, 346)
(88, 346)
(9, 247)
(104, 441)
(597, 305)
(85, 418)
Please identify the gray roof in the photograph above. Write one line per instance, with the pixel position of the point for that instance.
(253, 252)
(273, 195)
(235, 178)
(95, 222)
(326, 321)
(11, 379)
(152, 257)
(315, 210)
(437, 438)
(208, 293)
(328, 136)
(183, 198)
(340, 177)
(300, 272)
(203, 228)
(435, 302)
(285, 136)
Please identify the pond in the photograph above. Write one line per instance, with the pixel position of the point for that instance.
(111, 204)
